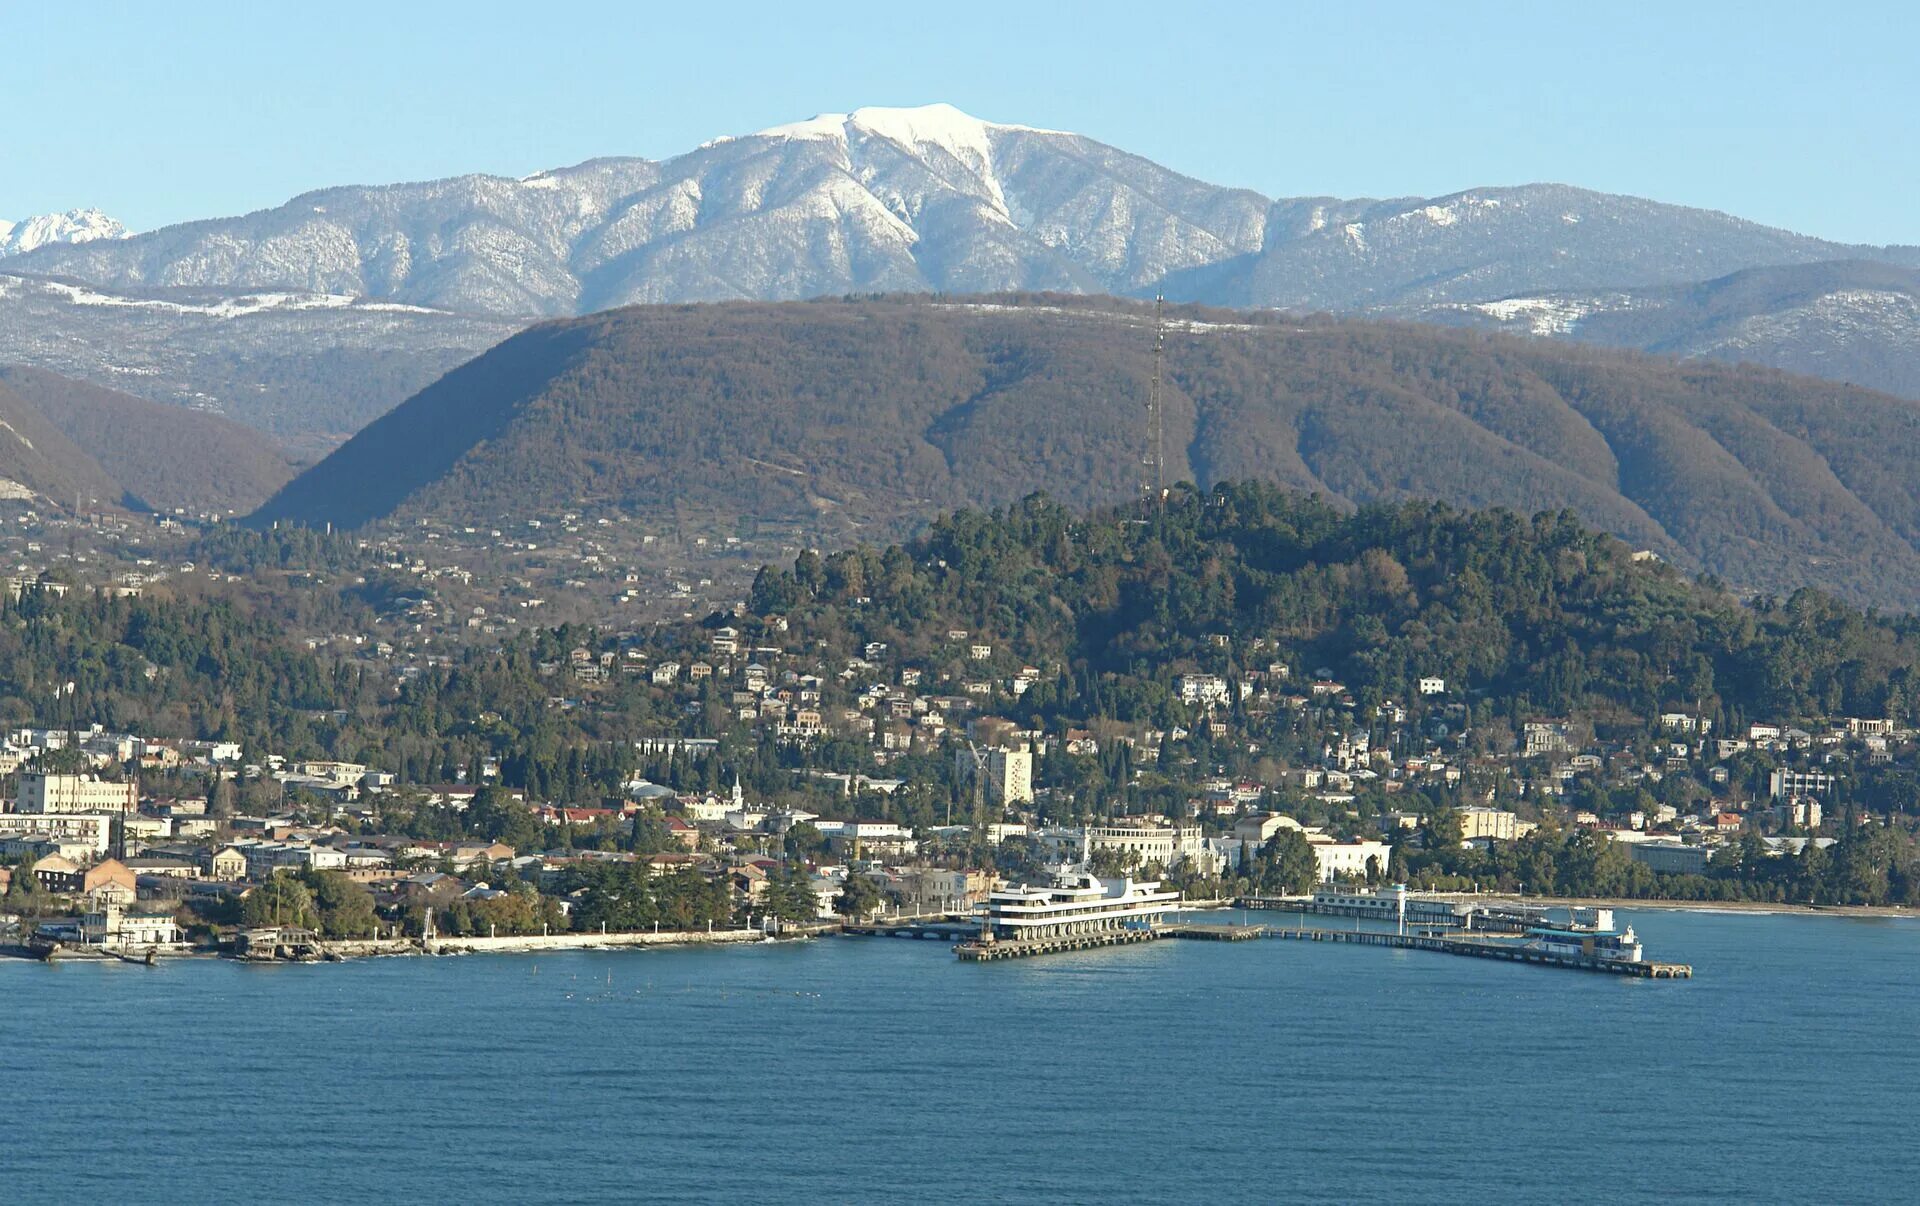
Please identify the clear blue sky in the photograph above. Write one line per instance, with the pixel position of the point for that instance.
(1800, 115)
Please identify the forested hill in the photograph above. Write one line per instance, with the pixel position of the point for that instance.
(73, 437)
(862, 419)
(1526, 617)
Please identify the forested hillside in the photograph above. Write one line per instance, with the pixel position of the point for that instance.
(1527, 617)
(865, 418)
(158, 455)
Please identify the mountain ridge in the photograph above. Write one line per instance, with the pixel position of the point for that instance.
(850, 417)
(926, 199)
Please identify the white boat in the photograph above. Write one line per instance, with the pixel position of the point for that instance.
(1074, 902)
(1613, 946)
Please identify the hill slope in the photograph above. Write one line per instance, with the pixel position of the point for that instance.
(872, 416)
(71, 436)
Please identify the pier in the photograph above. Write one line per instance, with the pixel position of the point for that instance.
(1023, 948)
(1477, 948)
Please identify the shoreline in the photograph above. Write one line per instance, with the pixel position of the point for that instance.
(348, 949)
(1756, 907)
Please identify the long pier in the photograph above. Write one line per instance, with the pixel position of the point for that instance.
(1513, 952)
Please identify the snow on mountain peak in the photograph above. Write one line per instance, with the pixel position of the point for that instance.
(941, 125)
(73, 226)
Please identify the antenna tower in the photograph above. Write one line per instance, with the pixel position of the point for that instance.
(1154, 488)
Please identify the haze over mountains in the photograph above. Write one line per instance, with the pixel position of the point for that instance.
(878, 200)
(858, 420)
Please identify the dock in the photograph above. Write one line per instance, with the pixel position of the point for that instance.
(946, 931)
(1476, 948)
(976, 951)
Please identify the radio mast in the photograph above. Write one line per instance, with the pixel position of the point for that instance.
(1154, 487)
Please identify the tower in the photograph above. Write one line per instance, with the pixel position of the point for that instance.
(1154, 487)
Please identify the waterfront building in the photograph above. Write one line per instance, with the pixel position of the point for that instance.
(1152, 843)
(1348, 860)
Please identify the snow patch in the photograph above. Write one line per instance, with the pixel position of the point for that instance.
(73, 226)
(231, 307)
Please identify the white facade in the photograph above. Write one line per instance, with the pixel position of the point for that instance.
(74, 793)
(1789, 784)
(93, 829)
(1201, 688)
(1349, 859)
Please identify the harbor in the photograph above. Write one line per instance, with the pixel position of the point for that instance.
(1076, 910)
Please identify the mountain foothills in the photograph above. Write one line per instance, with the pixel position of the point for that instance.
(409, 279)
(63, 438)
(853, 417)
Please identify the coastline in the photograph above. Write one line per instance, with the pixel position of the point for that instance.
(1756, 907)
(373, 948)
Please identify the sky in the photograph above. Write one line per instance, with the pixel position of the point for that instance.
(1805, 116)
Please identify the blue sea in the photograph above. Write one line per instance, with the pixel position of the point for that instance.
(1787, 1070)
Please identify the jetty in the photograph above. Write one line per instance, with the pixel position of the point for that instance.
(977, 951)
(1477, 948)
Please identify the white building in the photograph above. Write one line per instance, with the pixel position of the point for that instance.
(1433, 686)
(1201, 688)
(1790, 784)
(74, 793)
(1009, 773)
(1348, 859)
(94, 830)
(1153, 843)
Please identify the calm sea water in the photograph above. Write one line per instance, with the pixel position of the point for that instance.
(847, 1069)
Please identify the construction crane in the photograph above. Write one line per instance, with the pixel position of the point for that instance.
(979, 757)
(1154, 486)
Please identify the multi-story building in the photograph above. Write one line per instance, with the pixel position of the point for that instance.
(1153, 843)
(1348, 860)
(42, 794)
(1790, 784)
(1477, 821)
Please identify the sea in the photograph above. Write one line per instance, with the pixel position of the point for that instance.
(862, 1070)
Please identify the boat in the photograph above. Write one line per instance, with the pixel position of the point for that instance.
(1074, 902)
(1391, 903)
(1606, 945)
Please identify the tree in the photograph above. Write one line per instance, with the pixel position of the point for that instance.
(282, 900)
(858, 898)
(1444, 829)
(790, 896)
(1286, 865)
(495, 815)
(344, 908)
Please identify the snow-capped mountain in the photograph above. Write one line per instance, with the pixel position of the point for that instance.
(74, 226)
(1854, 321)
(919, 199)
(876, 200)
